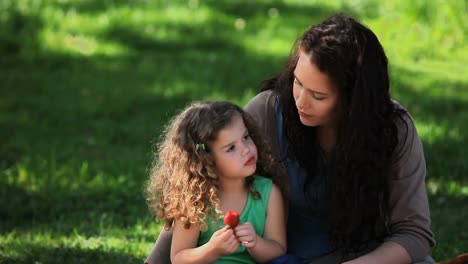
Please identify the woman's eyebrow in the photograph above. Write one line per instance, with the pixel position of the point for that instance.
(297, 79)
(310, 89)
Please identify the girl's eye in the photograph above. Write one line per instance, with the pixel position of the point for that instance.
(246, 137)
(231, 148)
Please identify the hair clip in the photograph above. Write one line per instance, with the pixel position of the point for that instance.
(200, 146)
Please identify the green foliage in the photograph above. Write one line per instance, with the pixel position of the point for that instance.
(86, 87)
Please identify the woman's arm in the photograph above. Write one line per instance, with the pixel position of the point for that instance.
(409, 219)
(160, 253)
(388, 252)
(273, 242)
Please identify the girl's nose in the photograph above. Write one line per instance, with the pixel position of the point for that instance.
(246, 149)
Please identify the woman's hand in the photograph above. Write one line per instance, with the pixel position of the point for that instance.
(246, 235)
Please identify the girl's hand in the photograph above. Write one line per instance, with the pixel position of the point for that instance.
(224, 242)
(246, 235)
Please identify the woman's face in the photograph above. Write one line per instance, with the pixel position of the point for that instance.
(314, 94)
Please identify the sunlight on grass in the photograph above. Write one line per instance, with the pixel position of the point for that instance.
(175, 89)
(440, 131)
(60, 42)
(447, 187)
(186, 15)
(38, 174)
(40, 241)
(411, 30)
(271, 39)
(16, 244)
(72, 32)
(241, 100)
(431, 70)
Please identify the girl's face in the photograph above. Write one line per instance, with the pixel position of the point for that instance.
(314, 93)
(234, 152)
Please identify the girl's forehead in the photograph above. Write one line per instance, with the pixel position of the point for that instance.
(236, 123)
(234, 128)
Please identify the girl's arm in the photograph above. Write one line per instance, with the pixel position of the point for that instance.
(273, 242)
(184, 245)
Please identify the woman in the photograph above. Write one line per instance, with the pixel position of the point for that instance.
(353, 159)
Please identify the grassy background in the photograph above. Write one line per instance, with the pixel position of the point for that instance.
(85, 87)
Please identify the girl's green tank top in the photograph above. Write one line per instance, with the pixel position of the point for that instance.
(254, 212)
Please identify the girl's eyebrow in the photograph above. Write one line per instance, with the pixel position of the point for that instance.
(300, 83)
(232, 142)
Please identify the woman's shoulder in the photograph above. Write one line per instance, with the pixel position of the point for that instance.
(262, 109)
(404, 122)
(262, 100)
(409, 143)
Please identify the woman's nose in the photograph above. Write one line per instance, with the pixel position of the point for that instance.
(301, 100)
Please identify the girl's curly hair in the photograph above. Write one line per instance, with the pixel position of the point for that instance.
(183, 184)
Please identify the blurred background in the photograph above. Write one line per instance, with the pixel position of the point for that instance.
(87, 85)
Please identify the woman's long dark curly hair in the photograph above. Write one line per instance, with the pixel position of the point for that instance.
(358, 170)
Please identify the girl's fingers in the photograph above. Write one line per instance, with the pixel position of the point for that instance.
(246, 240)
(244, 232)
(244, 228)
(222, 230)
(233, 244)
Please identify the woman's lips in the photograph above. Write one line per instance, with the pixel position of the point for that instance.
(303, 114)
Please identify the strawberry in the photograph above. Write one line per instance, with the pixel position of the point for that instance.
(231, 219)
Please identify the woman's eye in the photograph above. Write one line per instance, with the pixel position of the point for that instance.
(231, 148)
(318, 96)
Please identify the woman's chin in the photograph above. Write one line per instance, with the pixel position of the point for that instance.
(308, 122)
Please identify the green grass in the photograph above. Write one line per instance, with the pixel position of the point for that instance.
(86, 87)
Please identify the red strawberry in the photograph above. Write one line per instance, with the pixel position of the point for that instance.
(231, 219)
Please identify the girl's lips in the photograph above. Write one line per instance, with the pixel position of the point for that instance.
(250, 161)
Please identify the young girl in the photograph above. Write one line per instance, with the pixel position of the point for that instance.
(206, 166)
